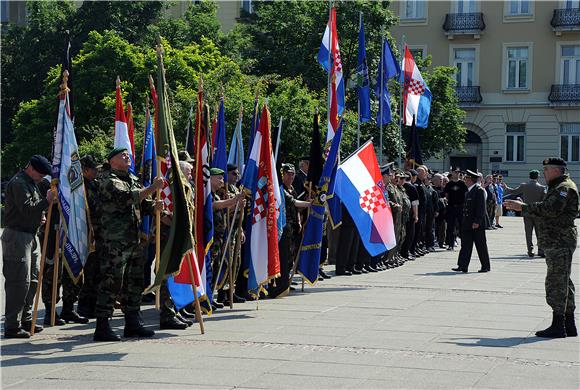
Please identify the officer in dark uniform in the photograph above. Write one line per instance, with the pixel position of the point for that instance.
(455, 194)
(301, 177)
(473, 225)
(413, 218)
(557, 233)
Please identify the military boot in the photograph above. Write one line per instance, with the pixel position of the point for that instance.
(68, 314)
(134, 326)
(57, 320)
(172, 323)
(555, 331)
(103, 331)
(570, 325)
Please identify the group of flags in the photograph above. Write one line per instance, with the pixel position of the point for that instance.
(185, 261)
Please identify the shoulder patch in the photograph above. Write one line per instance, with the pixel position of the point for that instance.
(564, 194)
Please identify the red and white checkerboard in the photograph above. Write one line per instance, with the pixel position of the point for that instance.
(415, 87)
(166, 196)
(259, 207)
(372, 200)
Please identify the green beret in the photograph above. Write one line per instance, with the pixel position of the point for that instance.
(557, 161)
(115, 151)
(216, 172)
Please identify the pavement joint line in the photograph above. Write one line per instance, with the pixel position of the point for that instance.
(444, 289)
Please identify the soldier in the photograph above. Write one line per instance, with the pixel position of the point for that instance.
(290, 240)
(405, 215)
(413, 218)
(20, 247)
(219, 206)
(454, 192)
(532, 192)
(88, 290)
(558, 235)
(441, 205)
(120, 197)
(431, 212)
(394, 202)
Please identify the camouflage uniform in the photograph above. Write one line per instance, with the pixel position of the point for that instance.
(122, 257)
(400, 231)
(557, 234)
(219, 239)
(234, 255)
(393, 200)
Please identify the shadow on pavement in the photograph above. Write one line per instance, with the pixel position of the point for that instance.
(503, 342)
(440, 273)
(318, 289)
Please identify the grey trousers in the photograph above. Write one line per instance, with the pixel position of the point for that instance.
(529, 225)
(20, 253)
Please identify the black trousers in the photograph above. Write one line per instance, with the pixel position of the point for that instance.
(468, 238)
(418, 238)
(347, 248)
(429, 233)
(409, 237)
(453, 217)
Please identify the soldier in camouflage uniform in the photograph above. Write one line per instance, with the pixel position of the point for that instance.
(395, 210)
(400, 231)
(121, 199)
(220, 226)
(290, 240)
(557, 234)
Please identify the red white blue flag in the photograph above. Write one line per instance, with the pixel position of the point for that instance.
(122, 138)
(416, 95)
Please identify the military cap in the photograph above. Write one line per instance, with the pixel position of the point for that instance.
(288, 168)
(556, 161)
(534, 172)
(89, 161)
(412, 172)
(216, 171)
(40, 164)
(471, 174)
(115, 151)
(386, 169)
(232, 167)
(456, 169)
(183, 155)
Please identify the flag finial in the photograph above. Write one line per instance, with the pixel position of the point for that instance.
(64, 84)
(118, 82)
(151, 83)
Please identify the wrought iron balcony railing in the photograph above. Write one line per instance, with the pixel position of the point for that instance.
(468, 95)
(464, 22)
(565, 94)
(567, 19)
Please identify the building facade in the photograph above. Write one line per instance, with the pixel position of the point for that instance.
(518, 78)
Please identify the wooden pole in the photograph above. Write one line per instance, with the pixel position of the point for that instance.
(158, 239)
(41, 270)
(196, 304)
(56, 265)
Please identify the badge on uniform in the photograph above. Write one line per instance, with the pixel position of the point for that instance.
(563, 194)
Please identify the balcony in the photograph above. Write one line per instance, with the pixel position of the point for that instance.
(468, 96)
(564, 95)
(464, 24)
(567, 19)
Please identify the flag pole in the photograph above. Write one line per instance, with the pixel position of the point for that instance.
(401, 113)
(41, 270)
(381, 102)
(328, 84)
(360, 16)
(56, 266)
(214, 290)
(196, 304)
(278, 141)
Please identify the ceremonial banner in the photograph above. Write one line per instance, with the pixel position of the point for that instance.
(122, 138)
(359, 184)
(388, 68)
(362, 78)
(148, 167)
(219, 159)
(310, 250)
(68, 175)
(236, 155)
(416, 95)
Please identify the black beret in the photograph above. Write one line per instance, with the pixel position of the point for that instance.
(557, 161)
(232, 167)
(89, 161)
(40, 164)
(116, 151)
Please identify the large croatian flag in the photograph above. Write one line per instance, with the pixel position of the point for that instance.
(416, 95)
(359, 184)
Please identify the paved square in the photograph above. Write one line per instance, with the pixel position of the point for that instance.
(416, 326)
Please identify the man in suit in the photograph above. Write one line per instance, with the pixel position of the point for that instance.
(532, 192)
(473, 225)
(300, 178)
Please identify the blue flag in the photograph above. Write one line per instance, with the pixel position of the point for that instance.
(362, 78)
(236, 155)
(148, 169)
(219, 149)
(309, 258)
(388, 68)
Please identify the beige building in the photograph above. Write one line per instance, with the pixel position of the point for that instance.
(518, 78)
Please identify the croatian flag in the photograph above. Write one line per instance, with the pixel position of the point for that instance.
(416, 95)
(329, 50)
(265, 258)
(359, 184)
(122, 139)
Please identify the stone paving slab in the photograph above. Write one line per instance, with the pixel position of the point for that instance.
(418, 326)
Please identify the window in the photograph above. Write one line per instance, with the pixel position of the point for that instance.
(413, 9)
(465, 6)
(247, 6)
(570, 142)
(464, 61)
(515, 142)
(417, 52)
(519, 7)
(570, 64)
(3, 11)
(569, 4)
(517, 67)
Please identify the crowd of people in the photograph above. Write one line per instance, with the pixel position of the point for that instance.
(429, 209)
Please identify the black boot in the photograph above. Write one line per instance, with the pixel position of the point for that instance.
(69, 314)
(57, 320)
(570, 325)
(134, 326)
(172, 323)
(556, 331)
(86, 309)
(103, 331)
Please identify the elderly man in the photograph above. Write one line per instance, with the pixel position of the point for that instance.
(20, 247)
(557, 232)
(121, 201)
(532, 192)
